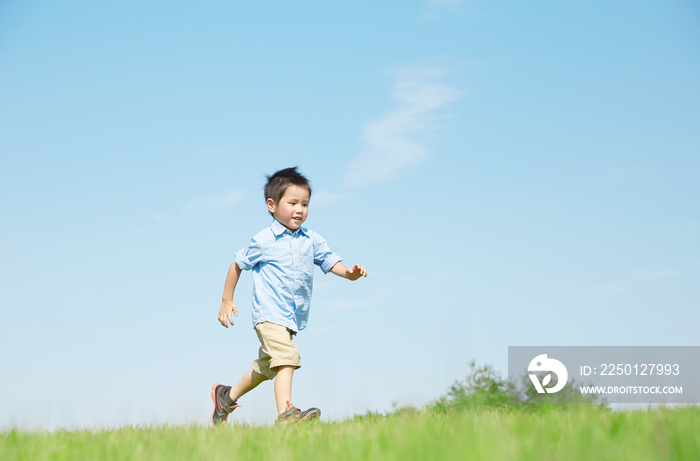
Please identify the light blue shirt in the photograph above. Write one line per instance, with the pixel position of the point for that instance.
(283, 270)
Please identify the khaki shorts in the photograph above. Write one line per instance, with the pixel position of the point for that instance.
(276, 349)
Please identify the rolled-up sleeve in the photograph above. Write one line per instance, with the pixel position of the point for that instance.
(323, 256)
(247, 257)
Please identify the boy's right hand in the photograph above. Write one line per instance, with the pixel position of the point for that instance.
(225, 312)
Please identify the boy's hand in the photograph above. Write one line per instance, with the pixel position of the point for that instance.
(357, 271)
(225, 312)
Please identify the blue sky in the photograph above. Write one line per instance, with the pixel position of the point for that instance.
(515, 173)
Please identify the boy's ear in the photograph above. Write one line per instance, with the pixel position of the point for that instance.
(271, 205)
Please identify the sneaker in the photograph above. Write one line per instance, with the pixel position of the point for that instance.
(290, 416)
(221, 406)
(293, 415)
(310, 414)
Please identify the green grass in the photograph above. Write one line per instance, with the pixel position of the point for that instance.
(581, 433)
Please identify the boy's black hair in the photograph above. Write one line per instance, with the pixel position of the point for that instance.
(278, 183)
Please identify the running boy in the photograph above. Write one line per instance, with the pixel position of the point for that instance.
(282, 258)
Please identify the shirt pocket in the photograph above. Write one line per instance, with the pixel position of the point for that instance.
(306, 264)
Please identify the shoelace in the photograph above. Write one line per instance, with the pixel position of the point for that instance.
(290, 406)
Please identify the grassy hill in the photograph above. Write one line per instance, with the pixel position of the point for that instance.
(577, 433)
(481, 418)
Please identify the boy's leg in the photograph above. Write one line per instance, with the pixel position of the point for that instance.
(247, 383)
(225, 397)
(279, 357)
(283, 387)
(287, 413)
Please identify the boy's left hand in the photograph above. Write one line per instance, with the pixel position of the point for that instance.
(357, 271)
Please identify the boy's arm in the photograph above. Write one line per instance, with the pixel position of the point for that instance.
(357, 271)
(227, 304)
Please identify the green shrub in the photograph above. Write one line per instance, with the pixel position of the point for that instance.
(483, 388)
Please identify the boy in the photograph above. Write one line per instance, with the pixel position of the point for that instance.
(282, 258)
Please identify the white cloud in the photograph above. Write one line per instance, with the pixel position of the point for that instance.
(325, 331)
(653, 276)
(218, 150)
(380, 294)
(438, 3)
(638, 277)
(342, 304)
(214, 202)
(394, 143)
(443, 9)
(324, 198)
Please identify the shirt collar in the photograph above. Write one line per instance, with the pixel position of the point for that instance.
(278, 229)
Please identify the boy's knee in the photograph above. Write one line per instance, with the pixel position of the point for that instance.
(263, 369)
(259, 376)
(284, 369)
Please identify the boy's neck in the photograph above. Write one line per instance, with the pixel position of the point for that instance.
(288, 228)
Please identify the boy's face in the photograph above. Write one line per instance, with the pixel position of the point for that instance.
(293, 207)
